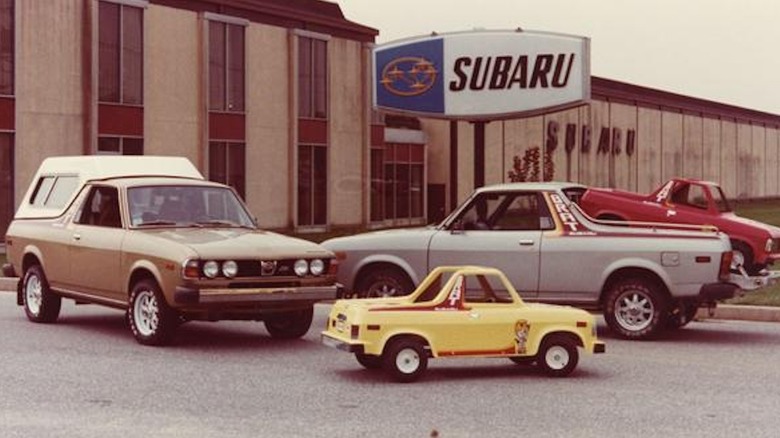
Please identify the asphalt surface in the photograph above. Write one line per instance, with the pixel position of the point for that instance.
(86, 377)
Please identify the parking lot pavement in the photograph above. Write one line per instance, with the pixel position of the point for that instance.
(723, 311)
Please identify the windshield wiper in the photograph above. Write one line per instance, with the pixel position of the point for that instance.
(157, 222)
(220, 223)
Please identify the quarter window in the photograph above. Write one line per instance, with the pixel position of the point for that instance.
(101, 208)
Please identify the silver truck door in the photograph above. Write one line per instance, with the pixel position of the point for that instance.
(497, 229)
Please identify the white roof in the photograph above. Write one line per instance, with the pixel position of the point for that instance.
(92, 167)
(100, 167)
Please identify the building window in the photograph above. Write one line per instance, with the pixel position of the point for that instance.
(312, 185)
(312, 78)
(226, 67)
(377, 184)
(6, 181)
(402, 186)
(120, 146)
(120, 53)
(7, 47)
(227, 165)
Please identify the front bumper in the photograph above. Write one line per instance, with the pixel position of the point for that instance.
(338, 344)
(188, 295)
(718, 291)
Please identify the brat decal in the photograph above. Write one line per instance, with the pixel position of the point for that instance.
(571, 225)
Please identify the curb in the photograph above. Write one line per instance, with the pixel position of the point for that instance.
(723, 311)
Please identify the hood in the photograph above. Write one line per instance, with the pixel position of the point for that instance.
(771, 229)
(388, 238)
(240, 243)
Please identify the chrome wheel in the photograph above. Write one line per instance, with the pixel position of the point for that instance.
(634, 310)
(146, 313)
(34, 294)
(384, 290)
(407, 361)
(557, 357)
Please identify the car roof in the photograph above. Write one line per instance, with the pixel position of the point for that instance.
(532, 186)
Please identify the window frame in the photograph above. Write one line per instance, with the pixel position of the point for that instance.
(312, 78)
(227, 78)
(11, 55)
(122, 4)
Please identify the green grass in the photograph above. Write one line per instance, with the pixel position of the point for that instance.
(767, 212)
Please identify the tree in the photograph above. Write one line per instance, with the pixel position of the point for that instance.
(527, 168)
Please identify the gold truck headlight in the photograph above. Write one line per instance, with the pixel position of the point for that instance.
(301, 267)
(230, 269)
(211, 269)
(317, 267)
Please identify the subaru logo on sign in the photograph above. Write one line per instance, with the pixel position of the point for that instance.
(484, 74)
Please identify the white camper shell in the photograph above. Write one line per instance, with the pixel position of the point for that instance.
(59, 179)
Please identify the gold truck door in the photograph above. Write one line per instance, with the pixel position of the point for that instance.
(96, 243)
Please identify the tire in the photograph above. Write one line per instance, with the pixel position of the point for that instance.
(635, 308)
(682, 315)
(743, 255)
(558, 355)
(405, 360)
(384, 282)
(40, 303)
(151, 320)
(290, 325)
(369, 361)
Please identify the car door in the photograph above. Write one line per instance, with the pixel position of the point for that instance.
(690, 204)
(497, 229)
(96, 243)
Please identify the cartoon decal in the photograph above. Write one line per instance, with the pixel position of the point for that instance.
(522, 327)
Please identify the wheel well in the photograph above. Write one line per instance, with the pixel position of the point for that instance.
(29, 260)
(377, 266)
(625, 273)
(610, 217)
(417, 338)
(138, 275)
(576, 340)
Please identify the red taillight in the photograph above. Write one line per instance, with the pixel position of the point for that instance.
(355, 331)
(725, 265)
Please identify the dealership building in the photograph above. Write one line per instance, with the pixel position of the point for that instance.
(275, 98)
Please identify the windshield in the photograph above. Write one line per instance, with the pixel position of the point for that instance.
(186, 205)
(720, 199)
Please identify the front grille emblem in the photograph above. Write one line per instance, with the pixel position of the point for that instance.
(267, 268)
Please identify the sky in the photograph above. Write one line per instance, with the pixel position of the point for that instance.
(726, 51)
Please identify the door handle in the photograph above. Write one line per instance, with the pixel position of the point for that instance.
(77, 237)
(526, 242)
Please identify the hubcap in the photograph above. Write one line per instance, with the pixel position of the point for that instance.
(34, 292)
(557, 357)
(738, 260)
(383, 290)
(146, 313)
(634, 311)
(407, 361)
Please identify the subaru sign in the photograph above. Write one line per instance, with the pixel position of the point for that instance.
(482, 74)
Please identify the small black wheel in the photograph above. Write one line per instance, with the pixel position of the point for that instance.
(682, 315)
(405, 359)
(384, 282)
(558, 355)
(150, 318)
(40, 303)
(635, 308)
(523, 360)
(290, 325)
(369, 361)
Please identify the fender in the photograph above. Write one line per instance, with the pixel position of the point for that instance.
(533, 348)
(389, 335)
(635, 263)
(147, 266)
(386, 259)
